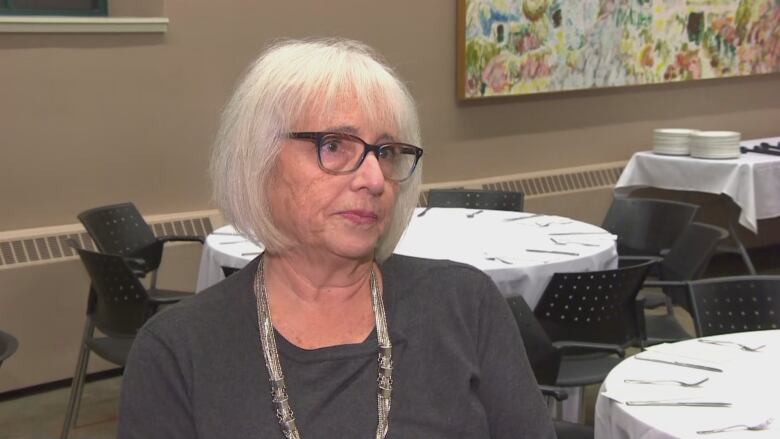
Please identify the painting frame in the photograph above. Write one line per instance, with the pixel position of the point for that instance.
(656, 41)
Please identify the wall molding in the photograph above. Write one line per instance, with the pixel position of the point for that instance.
(64, 25)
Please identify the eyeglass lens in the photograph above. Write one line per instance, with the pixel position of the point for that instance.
(343, 154)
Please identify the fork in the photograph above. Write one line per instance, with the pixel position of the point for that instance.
(731, 343)
(680, 383)
(549, 223)
(762, 426)
(473, 214)
(495, 258)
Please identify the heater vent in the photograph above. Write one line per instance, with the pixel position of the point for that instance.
(538, 184)
(43, 245)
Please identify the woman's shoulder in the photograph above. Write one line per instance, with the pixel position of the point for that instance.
(410, 267)
(435, 280)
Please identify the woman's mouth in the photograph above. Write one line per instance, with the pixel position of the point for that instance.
(358, 216)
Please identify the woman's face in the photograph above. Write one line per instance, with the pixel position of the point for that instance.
(342, 215)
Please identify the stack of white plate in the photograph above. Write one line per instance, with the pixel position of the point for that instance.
(672, 141)
(715, 144)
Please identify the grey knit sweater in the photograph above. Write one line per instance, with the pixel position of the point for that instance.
(196, 369)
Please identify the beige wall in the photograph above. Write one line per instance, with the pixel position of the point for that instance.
(91, 119)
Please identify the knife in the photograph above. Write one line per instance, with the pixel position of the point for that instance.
(555, 252)
(517, 218)
(424, 212)
(579, 233)
(679, 363)
(679, 403)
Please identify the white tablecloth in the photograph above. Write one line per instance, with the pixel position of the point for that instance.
(750, 381)
(486, 241)
(752, 180)
(224, 248)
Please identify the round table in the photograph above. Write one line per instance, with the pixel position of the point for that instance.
(749, 381)
(518, 250)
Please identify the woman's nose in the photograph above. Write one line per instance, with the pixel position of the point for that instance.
(369, 175)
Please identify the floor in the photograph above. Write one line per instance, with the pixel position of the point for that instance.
(41, 415)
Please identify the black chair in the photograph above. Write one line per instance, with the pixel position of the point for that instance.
(571, 430)
(564, 429)
(121, 230)
(476, 199)
(646, 226)
(8, 345)
(548, 361)
(228, 271)
(735, 304)
(551, 366)
(686, 260)
(118, 305)
(591, 316)
(596, 306)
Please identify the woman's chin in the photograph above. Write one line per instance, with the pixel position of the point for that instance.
(354, 250)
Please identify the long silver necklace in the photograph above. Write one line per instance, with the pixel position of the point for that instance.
(279, 397)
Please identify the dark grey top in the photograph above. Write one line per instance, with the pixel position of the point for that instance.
(196, 370)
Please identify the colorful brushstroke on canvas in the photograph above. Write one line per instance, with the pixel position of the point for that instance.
(516, 47)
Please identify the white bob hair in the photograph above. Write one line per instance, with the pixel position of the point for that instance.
(287, 82)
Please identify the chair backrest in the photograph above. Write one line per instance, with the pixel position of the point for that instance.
(119, 303)
(8, 346)
(228, 271)
(476, 199)
(688, 259)
(646, 226)
(121, 230)
(735, 304)
(691, 253)
(595, 306)
(545, 359)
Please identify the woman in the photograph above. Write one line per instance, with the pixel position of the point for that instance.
(315, 158)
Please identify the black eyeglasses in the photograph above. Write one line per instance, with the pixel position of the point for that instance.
(339, 153)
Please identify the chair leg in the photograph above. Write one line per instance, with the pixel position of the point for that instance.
(77, 387)
(669, 305)
(741, 249)
(554, 407)
(153, 283)
(571, 408)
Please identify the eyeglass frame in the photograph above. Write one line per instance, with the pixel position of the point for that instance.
(317, 136)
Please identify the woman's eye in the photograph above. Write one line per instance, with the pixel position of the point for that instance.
(387, 153)
(330, 146)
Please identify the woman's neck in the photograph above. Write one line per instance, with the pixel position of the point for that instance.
(316, 305)
(318, 280)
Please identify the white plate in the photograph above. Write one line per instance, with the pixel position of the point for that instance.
(717, 134)
(715, 154)
(673, 132)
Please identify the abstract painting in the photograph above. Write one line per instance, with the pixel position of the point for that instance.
(518, 47)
